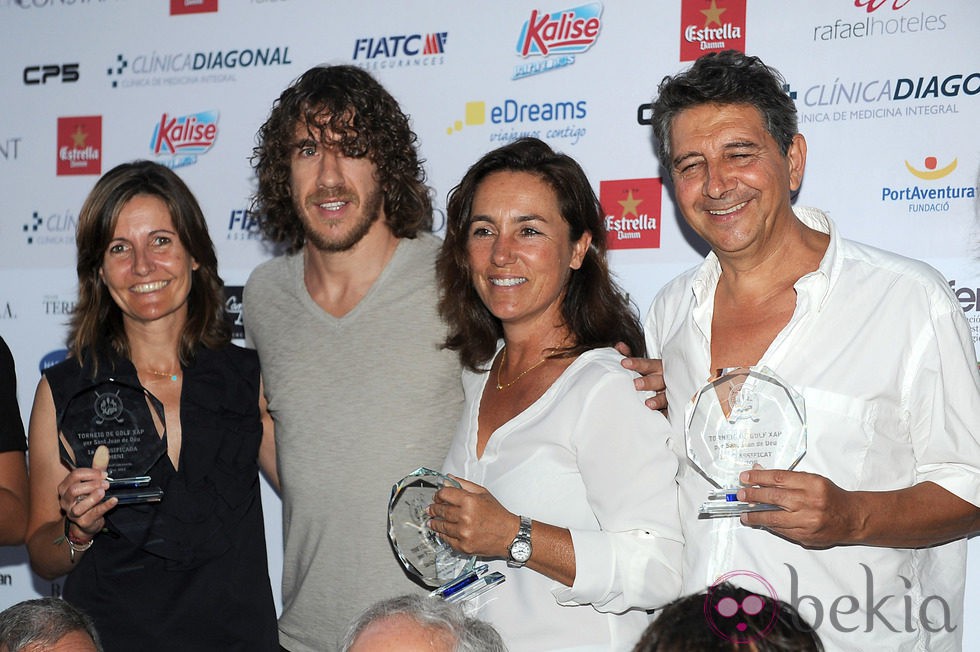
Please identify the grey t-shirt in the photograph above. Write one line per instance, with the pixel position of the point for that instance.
(358, 402)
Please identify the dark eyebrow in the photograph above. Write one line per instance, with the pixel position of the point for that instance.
(520, 218)
(742, 144)
(676, 163)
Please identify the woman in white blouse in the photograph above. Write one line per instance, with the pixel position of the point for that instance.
(567, 478)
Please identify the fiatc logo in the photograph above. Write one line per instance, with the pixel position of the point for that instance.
(929, 198)
(557, 37)
(193, 6)
(178, 140)
(547, 120)
(400, 50)
(80, 145)
(243, 225)
(632, 213)
(711, 25)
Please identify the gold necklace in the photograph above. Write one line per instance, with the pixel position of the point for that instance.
(503, 359)
(163, 374)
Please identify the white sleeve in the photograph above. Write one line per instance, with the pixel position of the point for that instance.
(943, 393)
(628, 470)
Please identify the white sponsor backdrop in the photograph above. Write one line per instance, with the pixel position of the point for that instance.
(888, 93)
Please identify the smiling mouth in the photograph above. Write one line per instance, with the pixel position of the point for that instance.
(508, 282)
(727, 211)
(144, 288)
(332, 205)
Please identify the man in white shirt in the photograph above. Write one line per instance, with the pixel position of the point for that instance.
(869, 543)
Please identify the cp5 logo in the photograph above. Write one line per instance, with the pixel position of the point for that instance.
(67, 72)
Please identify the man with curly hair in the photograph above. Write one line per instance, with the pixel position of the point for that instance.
(347, 330)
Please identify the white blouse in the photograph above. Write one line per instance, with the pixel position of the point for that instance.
(588, 456)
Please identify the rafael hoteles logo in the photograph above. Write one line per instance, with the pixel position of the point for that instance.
(80, 145)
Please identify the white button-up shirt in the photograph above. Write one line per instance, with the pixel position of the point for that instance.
(591, 457)
(881, 352)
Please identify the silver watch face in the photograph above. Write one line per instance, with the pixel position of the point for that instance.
(520, 550)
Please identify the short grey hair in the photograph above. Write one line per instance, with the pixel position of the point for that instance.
(727, 77)
(470, 634)
(42, 623)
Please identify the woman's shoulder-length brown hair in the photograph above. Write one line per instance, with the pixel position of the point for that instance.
(96, 321)
(594, 309)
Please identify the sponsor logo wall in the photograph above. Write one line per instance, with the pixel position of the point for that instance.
(888, 94)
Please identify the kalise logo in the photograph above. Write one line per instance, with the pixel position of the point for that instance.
(711, 25)
(80, 145)
(632, 213)
(557, 37)
(177, 140)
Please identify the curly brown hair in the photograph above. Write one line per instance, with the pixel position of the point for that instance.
(595, 310)
(345, 107)
(96, 321)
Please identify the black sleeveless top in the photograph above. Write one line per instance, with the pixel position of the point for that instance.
(189, 572)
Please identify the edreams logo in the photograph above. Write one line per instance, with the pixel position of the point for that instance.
(192, 6)
(557, 37)
(711, 25)
(927, 198)
(631, 208)
(526, 120)
(184, 68)
(400, 50)
(178, 140)
(80, 145)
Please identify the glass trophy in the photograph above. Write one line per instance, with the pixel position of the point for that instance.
(743, 417)
(456, 576)
(129, 422)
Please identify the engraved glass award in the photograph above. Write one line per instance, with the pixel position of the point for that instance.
(743, 417)
(129, 422)
(421, 551)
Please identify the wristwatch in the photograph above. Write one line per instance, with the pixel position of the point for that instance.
(520, 547)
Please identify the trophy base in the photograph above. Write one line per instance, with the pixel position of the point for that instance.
(469, 585)
(723, 503)
(133, 491)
